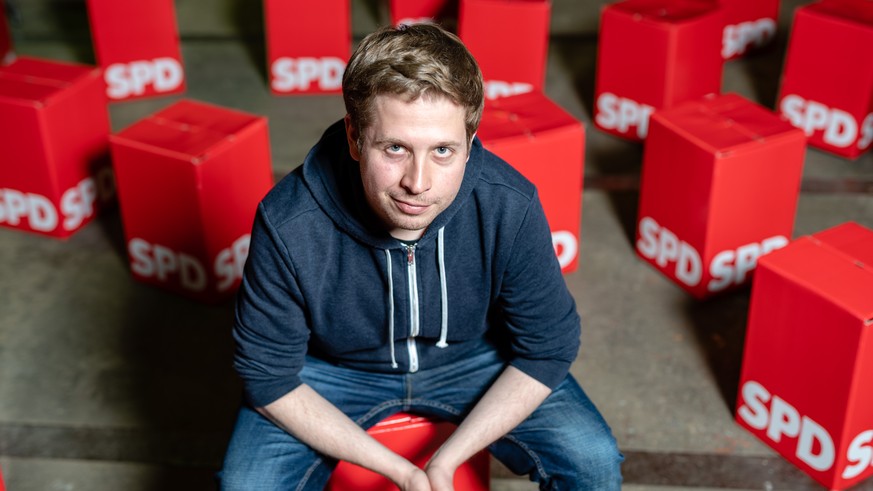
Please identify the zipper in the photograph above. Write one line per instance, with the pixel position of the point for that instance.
(413, 308)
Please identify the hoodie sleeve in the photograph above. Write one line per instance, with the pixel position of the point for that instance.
(270, 326)
(539, 311)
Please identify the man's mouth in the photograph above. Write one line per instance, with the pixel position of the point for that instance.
(411, 208)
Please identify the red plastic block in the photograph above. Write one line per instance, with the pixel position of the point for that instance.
(54, 132)
(808, 362)
(416, 11)
(749, 25)
(547, 145)
(720, 182)
(137, 44)
(826, 88)
(654, 54)
(189, 180)
(510, 40)
(308, 44)
(6, 53)
(416, 438)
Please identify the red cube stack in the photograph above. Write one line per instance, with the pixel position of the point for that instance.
(720, 183)
(827, 90)
(808, 362)
(654, 54)
(137, 44)
(308, 44)
(54, 132)
(189, 180)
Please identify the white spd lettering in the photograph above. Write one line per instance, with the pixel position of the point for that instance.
(77, 203)
(230, 261)
(866, 133)
(127, 79)
(662, 245)
(39, 212)
(815, 447)
(76, 206)
(730, 267)
(840, 128)
(740, 37)
(859, 455)
(291, 74)
(408, 21)
(157, 261)
(495, 89)
(622, 114)
(566, 246)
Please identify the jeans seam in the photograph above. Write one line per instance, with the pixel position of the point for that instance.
(435, 404)
(309, 472)
(533, 456)
(379, 408)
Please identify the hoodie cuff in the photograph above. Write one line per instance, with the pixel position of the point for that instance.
(548, 372)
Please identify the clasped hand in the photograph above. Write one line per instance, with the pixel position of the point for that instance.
(433, 478)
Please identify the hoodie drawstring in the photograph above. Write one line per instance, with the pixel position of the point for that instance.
(444, 296)
(391, 309)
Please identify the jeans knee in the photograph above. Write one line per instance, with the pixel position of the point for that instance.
(599, 465)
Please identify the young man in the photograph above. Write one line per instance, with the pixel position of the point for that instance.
(403, 267)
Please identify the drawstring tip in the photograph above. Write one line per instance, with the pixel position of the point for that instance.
(442, 344)
(394, 365)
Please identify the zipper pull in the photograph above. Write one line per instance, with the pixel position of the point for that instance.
(410, 254)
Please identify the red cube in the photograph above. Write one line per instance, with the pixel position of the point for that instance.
(137, 44)
(827, 87)
(54, 132)
(6, 53)
(510, 40)
(547, 145)
(189, 181)
(308, 44)
(805, 383)
(416, 438)
(416, 11)
(749, 25)
(720, 182)
(654, 54)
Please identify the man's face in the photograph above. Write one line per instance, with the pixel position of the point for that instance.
(412, 159)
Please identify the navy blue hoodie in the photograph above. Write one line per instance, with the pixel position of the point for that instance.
(323, 278)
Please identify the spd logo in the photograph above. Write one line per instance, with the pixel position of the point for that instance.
(838, 128)
(814, 445)
(124, 80)
(157, 261)
(622, 114)
(682, 261)
(299, 74)
(496, 88)
(740, 37)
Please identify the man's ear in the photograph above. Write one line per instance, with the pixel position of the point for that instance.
(352, 136)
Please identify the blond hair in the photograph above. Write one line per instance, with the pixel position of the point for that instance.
(421, 60)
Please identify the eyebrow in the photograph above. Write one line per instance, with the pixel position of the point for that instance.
(395, 141)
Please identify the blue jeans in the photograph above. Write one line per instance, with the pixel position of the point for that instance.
(564, 445)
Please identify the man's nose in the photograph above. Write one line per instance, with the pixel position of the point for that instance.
(416, 179)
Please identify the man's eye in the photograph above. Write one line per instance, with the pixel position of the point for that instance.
(442, 151)
(395, 148)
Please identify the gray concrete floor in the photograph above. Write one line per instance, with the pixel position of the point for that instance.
(108, 384)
